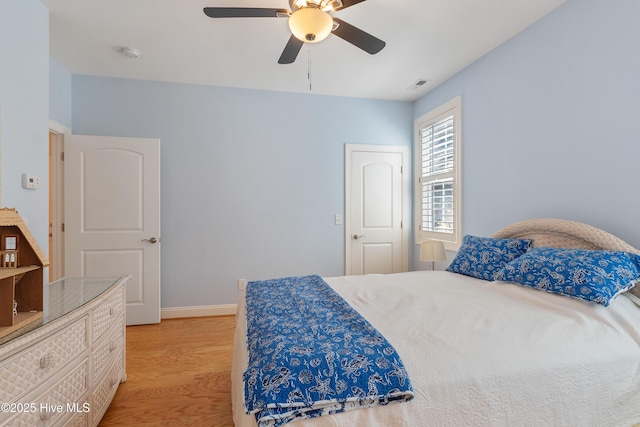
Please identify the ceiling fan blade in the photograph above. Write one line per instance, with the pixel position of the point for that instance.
(348, 3)
(244, 12)
(358, 38)
(291, 50)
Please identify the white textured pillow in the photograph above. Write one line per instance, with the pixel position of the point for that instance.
(632, 297)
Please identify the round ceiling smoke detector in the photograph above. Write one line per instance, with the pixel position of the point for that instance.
(130, 52)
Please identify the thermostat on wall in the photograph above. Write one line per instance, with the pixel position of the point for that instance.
(30, 181)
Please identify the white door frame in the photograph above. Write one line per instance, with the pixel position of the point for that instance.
(349, 149)
(57, 195)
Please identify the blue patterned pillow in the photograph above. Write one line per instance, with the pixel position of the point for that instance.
(482, 257)
(597, 276)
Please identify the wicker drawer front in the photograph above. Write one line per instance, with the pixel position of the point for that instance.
(111, 347)
(27, 369)
(105, 315)
(103, 393)
(68, 390)
(78, 420)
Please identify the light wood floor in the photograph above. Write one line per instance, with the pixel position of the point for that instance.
(178, 374)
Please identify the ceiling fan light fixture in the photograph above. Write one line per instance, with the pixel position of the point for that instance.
(310, 24)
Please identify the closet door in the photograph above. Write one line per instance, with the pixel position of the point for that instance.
(376, 194)
(112, 216)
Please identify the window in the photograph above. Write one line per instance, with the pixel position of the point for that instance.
(438, 187)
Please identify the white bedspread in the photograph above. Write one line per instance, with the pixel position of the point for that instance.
(489, 354)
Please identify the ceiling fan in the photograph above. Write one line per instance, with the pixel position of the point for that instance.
(310, 21)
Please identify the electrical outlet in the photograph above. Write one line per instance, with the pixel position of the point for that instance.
(242, 284)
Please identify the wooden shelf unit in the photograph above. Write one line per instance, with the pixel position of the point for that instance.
(23, 282)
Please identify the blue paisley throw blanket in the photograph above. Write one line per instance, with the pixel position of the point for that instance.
(312, 354)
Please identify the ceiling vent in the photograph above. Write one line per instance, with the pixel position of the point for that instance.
(418, 84)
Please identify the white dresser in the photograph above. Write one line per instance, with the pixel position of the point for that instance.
(65, 369)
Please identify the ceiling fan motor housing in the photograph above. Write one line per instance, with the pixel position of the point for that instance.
(325, 5)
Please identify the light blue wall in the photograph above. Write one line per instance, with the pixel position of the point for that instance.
(59, 94)
(24, 109)
(550, 122)
(250, 179)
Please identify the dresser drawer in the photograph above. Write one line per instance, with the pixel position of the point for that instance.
(28, 369)
(106, 314)
(105, 350)
(104, 391)
(79, 419)
(52, 406)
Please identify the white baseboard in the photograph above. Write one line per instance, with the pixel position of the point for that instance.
(198, 311)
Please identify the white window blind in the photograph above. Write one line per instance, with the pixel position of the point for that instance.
(437, 176)
(438, 207)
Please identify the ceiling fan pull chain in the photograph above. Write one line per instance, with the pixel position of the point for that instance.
(309, 66)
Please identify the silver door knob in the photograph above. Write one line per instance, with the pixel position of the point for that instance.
(151, 240)
(358, 236)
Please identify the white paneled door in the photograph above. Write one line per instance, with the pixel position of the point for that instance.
(376, 209)
(112, 216)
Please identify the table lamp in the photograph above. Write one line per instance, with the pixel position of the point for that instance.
(432, 250)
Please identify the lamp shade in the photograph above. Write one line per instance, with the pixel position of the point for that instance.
(432, 250)
(310, 24)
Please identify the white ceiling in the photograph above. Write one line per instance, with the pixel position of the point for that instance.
(426, 39)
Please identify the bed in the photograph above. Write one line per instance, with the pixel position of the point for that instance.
(482, 353)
